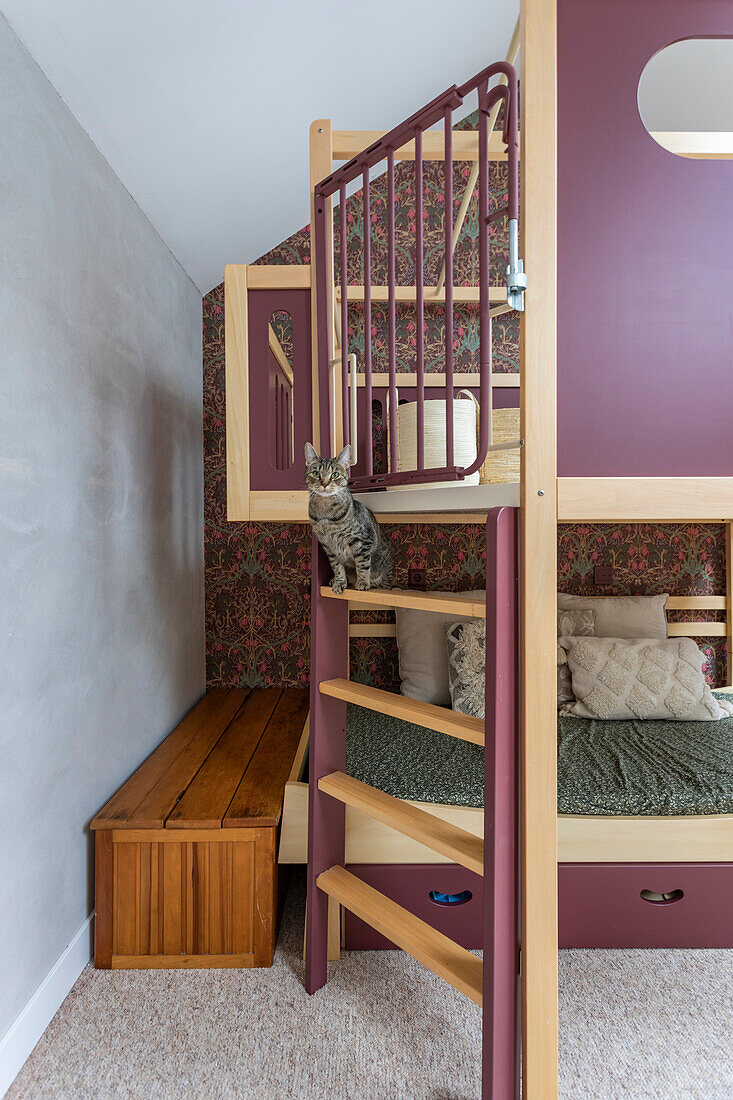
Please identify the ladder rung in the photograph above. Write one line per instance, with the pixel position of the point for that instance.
(440, 719)
(437, 952)
(448, 603)
(432, 831)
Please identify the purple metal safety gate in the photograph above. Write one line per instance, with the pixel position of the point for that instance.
(412, 131)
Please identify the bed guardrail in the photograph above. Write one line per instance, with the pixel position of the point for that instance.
(359, 169)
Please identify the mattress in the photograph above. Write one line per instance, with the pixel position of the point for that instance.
(411, 762)
(634, 768)
(628, 768)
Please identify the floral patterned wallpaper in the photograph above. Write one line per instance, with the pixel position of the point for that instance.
(258, 574)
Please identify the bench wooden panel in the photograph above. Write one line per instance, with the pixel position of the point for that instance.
(173, 887)
(259, 796)
(213, 712)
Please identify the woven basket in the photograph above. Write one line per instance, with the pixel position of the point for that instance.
(502, 465)
(464, 438)
(499, 466)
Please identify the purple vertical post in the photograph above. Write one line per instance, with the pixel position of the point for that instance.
(345, 404)
(501, 885)
(368, 449)
(392, 313)
(323, 321)
(448, 214)
(483, 263)
(326, 816)
(419, 302)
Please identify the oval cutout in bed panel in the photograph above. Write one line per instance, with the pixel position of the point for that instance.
(669, 898)
(685, 98)
(439, 898)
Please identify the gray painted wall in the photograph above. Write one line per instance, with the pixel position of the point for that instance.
(101, 509)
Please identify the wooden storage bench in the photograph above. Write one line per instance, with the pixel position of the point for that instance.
(186, 851)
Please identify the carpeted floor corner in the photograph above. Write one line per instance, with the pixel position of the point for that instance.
(633, 1025)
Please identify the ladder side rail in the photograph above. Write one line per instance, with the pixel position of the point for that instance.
(501, 811)
(326, 816)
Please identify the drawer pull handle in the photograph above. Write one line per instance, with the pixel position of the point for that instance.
(438, 898)
(662, 899)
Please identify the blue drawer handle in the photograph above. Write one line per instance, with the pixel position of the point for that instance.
(450, 899)
(661, 899)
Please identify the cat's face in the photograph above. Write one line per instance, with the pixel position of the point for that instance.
(326, 476)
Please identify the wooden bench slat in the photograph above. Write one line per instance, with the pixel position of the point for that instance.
(259, 797)
(152, 812)
(207, 798)
(212, 713)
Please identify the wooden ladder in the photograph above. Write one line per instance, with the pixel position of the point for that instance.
(493, 983)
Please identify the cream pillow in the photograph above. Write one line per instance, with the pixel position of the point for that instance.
(617, 678)
(621, 616)
(423, 651)
(467, 666)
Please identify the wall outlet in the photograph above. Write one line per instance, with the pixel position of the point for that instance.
(603, 574)
(417, 577)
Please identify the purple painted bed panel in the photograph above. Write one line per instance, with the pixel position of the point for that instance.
(600, 905)
(501, 849)
(409, 885)
(645, 247)
(261, 304)
(327, 753)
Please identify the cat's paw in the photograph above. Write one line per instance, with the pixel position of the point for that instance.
(338, 586)
(362, 586)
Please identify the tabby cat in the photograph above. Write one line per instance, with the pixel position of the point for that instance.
(355, 546)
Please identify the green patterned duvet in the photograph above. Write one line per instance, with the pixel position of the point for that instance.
(644, 768)
(613, 768)
(410, 762)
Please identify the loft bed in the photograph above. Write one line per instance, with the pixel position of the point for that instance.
(620, 459)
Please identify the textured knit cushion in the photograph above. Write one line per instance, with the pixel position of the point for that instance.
(423, 653)
(578, 623)
(614, 678)
(467, 666)
(621, 616)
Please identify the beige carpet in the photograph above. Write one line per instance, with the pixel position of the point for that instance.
(633, 1025)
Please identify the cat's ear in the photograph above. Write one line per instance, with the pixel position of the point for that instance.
(311, 454)
(344, 459)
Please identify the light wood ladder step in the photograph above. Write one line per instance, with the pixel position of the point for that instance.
(445, 958)
(446, 602)
(440, 719)
(432, 831)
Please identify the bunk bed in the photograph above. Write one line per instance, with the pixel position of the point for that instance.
(606, 472)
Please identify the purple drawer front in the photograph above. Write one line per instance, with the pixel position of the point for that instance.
(410, 885)
(682, 904)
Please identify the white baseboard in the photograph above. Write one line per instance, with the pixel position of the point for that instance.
(24, 1033)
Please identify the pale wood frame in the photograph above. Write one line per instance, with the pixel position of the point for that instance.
(644, 499)
(349, 143)
(236, 360)
(581, 839)
(538, 567)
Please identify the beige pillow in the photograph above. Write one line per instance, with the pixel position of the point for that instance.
(617, 678)
(423, 651)
(622, 616)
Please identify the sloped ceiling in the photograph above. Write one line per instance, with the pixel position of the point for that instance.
(203, 109)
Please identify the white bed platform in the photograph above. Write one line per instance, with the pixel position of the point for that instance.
(425, 498)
